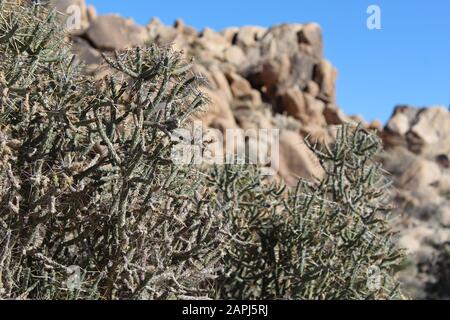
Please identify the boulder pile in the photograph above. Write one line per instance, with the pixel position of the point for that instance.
(417, 153)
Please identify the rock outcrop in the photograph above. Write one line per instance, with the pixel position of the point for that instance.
(417, 152)
(280, 69)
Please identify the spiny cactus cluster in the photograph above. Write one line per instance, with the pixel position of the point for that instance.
(319, 241)
(86, 176)
(87, 183)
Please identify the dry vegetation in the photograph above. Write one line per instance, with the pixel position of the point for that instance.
(86, 180)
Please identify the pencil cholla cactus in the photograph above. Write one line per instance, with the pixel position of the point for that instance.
(92, 206)
(328, 240)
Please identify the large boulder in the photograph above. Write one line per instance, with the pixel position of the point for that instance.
(250, 119)
(297, 160)
(325, 75)
(420, 173)
(273, 73)
(243, 91)
(230, 33)
(398, 124)
(111, 32)
(220, 81)
(279, 40)
(86, 53)
(302, 106)
(312, 88)
(217, 114)
(290, 55)
(235, 56)
(395, 131)
(314, 110)
(424, 130)
(247, 36)
(212, 42)
(293, 103)
(166, 35)
(310, 37)
(303, 69)
(334, 115)
(432, 129)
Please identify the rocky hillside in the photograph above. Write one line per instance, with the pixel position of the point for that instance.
(278, 78)
(417, 143)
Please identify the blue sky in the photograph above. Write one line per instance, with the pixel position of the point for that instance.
(406, 62)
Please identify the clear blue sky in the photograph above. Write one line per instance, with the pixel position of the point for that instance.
(408, 61)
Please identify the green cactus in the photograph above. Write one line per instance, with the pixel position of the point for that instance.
(319, 241)
(87, 179)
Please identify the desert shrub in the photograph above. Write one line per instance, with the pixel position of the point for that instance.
(319, 241)
(86, 177)
(92, 206)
